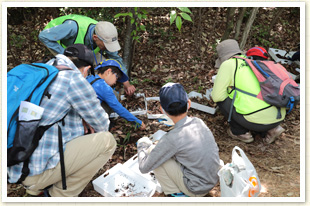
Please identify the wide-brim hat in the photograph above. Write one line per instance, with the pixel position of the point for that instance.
(107, 33)
(225, 50)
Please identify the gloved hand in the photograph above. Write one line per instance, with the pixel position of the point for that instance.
(143, 143)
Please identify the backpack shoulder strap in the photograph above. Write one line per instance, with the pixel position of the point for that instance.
(92, 82)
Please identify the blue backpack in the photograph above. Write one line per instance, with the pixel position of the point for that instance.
(27, 82)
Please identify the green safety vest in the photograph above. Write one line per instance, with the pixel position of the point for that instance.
(246, 80)
(83, 23)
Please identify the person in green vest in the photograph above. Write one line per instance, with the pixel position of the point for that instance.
(248, 114)
(101, 37)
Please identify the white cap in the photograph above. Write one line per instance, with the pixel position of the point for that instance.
(107, 33)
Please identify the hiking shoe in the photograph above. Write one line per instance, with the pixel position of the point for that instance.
(247, 137)
(272, 134)
(180, 194)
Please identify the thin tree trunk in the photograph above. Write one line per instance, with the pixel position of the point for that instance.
(239, 22)
(128, 45)
(229, 22)
(277, 14)
(248, 27)
(197, 36)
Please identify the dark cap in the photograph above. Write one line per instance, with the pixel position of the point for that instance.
(172, 93)
(81, 52)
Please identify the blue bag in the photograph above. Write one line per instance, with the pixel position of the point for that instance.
(25, 82)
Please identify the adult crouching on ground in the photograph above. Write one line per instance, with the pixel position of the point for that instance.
(248, 113)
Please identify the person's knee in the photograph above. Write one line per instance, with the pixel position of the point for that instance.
(110, 140)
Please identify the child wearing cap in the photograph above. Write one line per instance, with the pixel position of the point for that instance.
(185, 161)
(108, 72)
(100, 37)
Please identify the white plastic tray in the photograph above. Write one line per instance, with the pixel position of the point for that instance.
(121, 181)
(273, 53)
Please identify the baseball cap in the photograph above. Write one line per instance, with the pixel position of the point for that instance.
(107, 33)
(112, 62)
(257, 51)
(172, 93)
(81, 52)
(225, 50)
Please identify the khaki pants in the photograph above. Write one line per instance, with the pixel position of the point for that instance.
(83, 157)
(170, 177)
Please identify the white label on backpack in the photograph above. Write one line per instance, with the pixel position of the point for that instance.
(29, 111)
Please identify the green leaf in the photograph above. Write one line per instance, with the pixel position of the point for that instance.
(178, 22)
(186, 17)
(140, 16)
(173, 15)
(121, 14)
(185, 9)
(142, 27)
(143, 11)
(132, 20)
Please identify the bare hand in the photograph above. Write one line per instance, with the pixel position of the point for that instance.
(142, 127)
(87, 127)
(129, 89)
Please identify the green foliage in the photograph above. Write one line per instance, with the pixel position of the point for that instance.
(168, 80)
(99, 14)
(17, 40)
(177, 16)
(135, 82)
(136, 18)
(261, 33)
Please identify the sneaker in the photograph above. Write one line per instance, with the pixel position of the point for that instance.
(46, 193)
(272, 134)
(180, 194)
(247, 137)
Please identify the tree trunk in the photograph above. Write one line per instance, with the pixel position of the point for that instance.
(229, 22)
(239, 22)
(197, 37)
(277, 14)
(248, 27)
(128, 45)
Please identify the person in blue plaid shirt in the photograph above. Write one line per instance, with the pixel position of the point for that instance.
(73, 98)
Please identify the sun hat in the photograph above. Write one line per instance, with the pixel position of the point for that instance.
(225, 50)
(172, 93)
(107, 33)
(112, 62)
(81, 52)
(257, 51)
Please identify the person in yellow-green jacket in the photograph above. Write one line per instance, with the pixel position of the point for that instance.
(101, 37)
(247, 113)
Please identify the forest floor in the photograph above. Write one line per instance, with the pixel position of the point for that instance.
(188, 57)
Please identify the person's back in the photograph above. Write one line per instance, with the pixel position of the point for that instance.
(72, 100)
(244, 112)
(189, 149)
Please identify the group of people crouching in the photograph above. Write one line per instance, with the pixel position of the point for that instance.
(186, 159)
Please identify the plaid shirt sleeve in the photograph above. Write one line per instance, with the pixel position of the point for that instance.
(83, 99)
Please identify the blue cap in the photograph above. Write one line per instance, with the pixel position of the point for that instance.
(172, 93)
(112, 62)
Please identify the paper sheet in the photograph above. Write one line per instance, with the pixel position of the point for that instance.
(29, 111)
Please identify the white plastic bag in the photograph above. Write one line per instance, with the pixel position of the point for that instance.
(239, 178)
